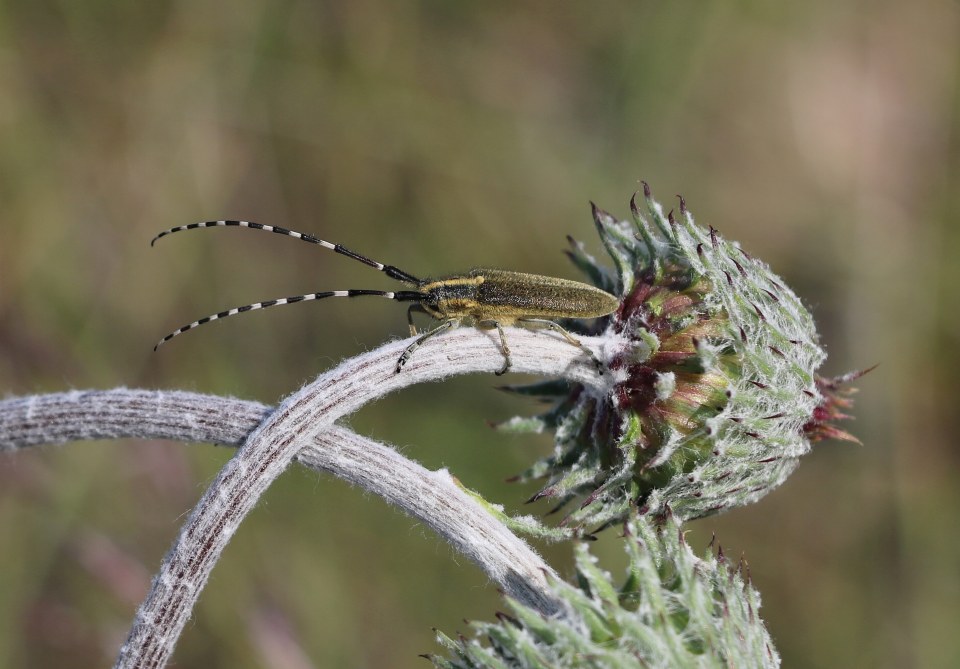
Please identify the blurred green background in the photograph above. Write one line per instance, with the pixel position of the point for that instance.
(437, 136)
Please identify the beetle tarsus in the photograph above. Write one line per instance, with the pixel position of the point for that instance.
(446, 325)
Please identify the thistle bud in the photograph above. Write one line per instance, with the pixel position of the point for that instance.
(673, 610)
(714, 395)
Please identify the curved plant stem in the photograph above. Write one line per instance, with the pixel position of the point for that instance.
(302, 427)
(121, 413)
(434, 498)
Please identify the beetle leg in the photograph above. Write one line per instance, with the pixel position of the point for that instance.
(489, 325)
(414, 308)
(542, 323)
(443, 327)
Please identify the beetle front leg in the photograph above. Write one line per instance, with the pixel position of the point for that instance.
(420, 310)
(443, 327)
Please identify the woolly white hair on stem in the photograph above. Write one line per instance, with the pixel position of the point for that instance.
(433, 498)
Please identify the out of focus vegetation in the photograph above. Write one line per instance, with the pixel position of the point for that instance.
(436, 136)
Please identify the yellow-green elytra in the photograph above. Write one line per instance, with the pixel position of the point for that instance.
(486, 298)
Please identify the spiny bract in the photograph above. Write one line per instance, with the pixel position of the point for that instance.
(674, 610)
(713, 391)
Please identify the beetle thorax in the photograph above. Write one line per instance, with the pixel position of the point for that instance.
(451, 297)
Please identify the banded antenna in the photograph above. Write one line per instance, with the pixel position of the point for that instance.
(391, 271)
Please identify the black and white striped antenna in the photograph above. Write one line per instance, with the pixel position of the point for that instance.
(389, 270)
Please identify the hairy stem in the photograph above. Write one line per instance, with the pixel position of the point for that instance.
(302, 427)
(77, 415)
(434, 498)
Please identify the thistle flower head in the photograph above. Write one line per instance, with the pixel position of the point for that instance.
(714, 395)
(673, 610)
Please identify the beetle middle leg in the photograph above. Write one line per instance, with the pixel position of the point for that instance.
(542, 323)
(443, 327)
(489, 325)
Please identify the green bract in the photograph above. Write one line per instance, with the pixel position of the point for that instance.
(673, 610)
(712, 359)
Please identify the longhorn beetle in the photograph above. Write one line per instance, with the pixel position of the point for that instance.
(488, 298)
